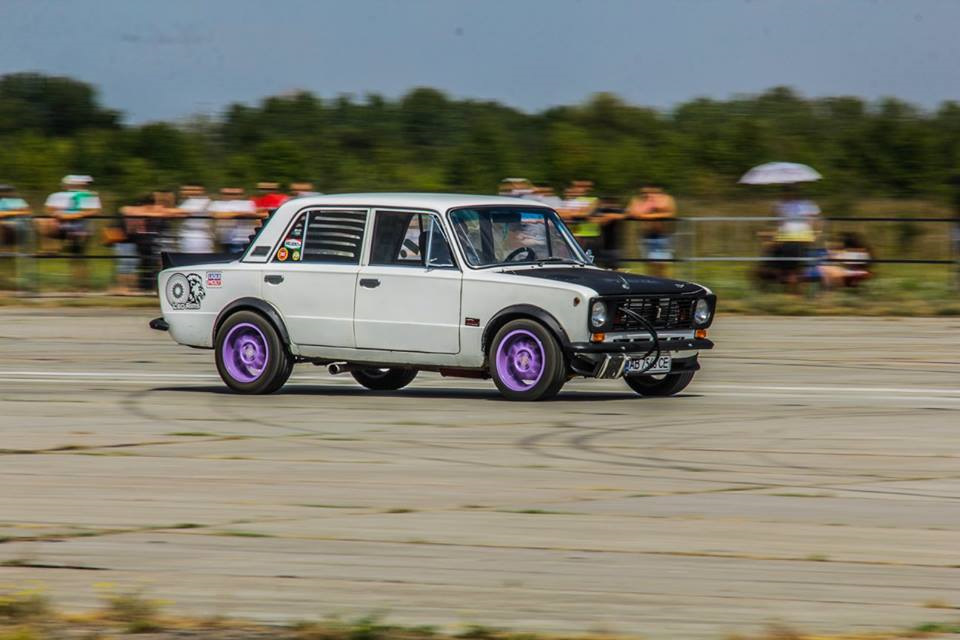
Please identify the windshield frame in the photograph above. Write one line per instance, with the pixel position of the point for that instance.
(548, 213)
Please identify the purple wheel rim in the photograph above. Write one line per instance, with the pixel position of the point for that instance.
(520, 360)
(245, 352)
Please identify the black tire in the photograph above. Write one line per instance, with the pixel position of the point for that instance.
(277, 361)
(668, 385)
(384, 379)
(282, 378)
(553, 369)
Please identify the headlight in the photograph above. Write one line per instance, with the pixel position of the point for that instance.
(598, 314)
(701, 312)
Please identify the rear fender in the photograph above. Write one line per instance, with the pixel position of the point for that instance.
(253, 304)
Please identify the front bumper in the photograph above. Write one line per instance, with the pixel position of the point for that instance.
(639, 346)
(608, 359)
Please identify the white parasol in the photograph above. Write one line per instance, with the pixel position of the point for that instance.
(780, 173)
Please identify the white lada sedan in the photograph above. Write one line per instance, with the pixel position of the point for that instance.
(383, 286)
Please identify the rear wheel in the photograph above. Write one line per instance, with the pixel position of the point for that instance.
(384, 379)
(250, 356)
(667, 385)
(526, 362)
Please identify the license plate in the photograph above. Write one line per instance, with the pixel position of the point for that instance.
(650, 364)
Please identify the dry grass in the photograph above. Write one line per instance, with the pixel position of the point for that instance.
(27, 614)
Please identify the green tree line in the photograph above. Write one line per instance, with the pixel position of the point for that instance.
(425, 140)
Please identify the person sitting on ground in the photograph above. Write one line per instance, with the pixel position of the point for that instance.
(849, 263)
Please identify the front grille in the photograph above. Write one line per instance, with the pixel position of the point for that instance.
(663, 312)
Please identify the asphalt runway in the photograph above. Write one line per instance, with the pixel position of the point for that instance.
(810, 475)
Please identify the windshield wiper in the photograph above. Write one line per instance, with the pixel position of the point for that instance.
(558, 259)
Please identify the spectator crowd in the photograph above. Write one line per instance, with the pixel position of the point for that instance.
(192, 221)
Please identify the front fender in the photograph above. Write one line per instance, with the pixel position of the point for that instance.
(523, 311)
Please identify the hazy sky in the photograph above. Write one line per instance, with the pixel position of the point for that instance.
(163, 59)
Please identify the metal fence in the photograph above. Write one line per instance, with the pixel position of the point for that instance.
(21, 270)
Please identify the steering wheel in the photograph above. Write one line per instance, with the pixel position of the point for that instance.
(513, 255)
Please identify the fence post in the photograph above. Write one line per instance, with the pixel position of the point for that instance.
(692, 248)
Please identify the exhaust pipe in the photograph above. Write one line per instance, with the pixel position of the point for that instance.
(343, 367)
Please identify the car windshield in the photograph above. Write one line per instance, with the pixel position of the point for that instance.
(492, 236)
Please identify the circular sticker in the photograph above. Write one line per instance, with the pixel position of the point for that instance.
(282, 254)
(178, 289)
(295, 256)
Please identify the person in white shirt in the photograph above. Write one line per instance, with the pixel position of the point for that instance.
(799, 221)
(237, 219)
(196, 235)
(71, 208)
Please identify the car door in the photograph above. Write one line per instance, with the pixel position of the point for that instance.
(312, 275)
(408, 293)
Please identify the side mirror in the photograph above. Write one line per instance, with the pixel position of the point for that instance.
(590, 257)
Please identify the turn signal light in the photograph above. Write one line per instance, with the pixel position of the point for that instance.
(701, 333)
(597, 337)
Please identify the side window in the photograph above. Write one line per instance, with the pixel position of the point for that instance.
(324, 236)
(409, 239)
(438, 249)
(396, 239)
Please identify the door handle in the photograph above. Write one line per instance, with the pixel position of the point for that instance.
(369, 283)
(273, 278)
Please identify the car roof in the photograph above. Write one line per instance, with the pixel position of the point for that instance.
(435, 201)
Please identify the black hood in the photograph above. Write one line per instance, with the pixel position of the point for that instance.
(610, 283)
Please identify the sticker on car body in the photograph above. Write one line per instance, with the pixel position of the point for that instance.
(214, 279)
(185, 292)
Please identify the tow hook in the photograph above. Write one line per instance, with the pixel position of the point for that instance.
(159, 324)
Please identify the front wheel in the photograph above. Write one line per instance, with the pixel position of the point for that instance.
(526, 362)
(667, 385)
(250, 356)
(384, 379)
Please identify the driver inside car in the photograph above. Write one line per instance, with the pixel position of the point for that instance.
(523, 235)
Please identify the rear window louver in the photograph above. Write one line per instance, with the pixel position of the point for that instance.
(334, 236)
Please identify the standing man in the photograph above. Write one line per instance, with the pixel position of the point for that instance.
(798, 226)
(955, 226)
(302, 190)
(268, 198)
(236, 219)
(146, 226)
(71, 208)
(656, 209)
(196, 233)
(14, 213)
(577, 210)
